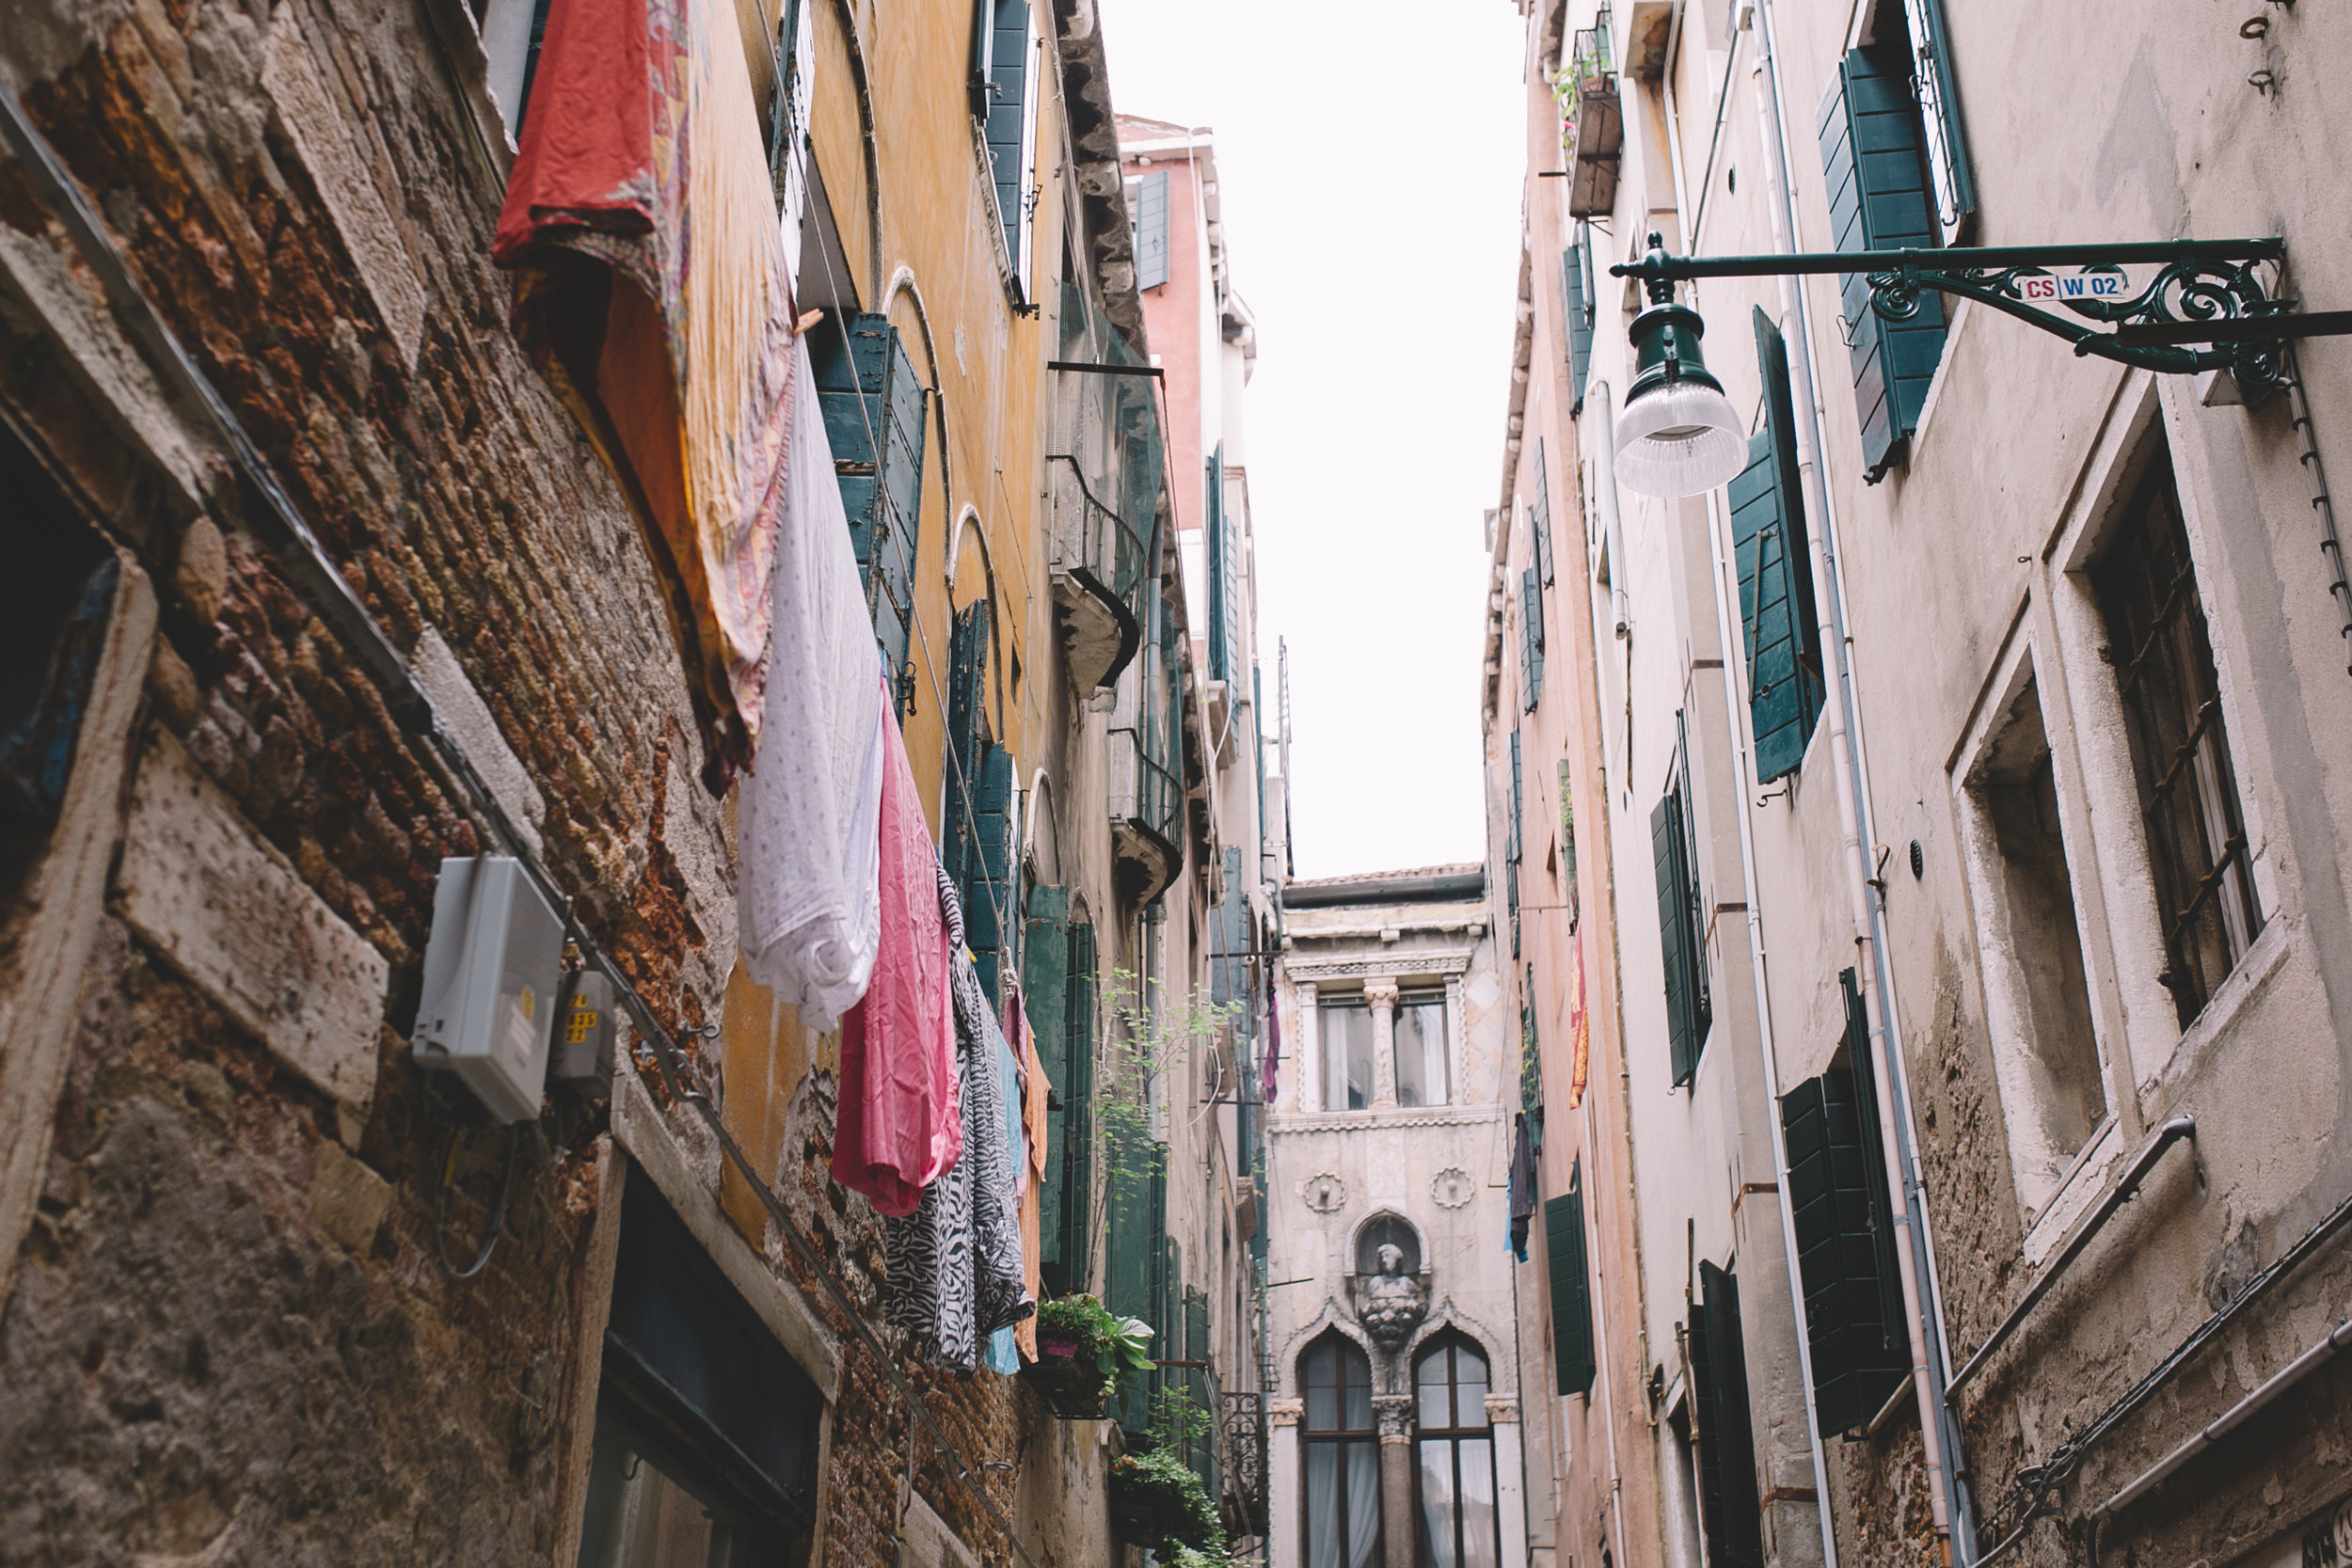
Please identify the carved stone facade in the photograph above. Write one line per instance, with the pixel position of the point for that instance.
(1376, 1210)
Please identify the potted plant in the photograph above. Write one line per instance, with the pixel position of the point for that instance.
(1159, 1502)
(1083, 1352)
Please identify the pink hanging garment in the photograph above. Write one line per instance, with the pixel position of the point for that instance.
(899, 1126)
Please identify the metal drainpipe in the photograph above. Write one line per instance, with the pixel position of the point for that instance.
(1600, 1349)
(1757, 964)
(1936, 1433)
(1754, 921)
(1598, 399)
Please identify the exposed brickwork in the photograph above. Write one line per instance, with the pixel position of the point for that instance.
(190, 1360)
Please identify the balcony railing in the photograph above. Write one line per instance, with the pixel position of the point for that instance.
(1103, 477)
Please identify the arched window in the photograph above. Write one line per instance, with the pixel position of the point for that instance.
(1342, 1456)
(1458, 1524)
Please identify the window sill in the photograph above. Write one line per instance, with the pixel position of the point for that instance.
(2249, 979)
(2074, 1194)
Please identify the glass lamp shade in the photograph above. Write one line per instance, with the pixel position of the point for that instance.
(1680, 438)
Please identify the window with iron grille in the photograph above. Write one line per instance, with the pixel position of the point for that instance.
(2189, 801)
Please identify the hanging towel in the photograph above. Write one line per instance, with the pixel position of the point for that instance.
(808, 891)
(1033, 1113)
(897, 1127)
(650, 288)
(929, 1253)
(1522, 1187)
(1004, 1345)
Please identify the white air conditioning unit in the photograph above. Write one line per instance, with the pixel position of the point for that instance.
(491, 972)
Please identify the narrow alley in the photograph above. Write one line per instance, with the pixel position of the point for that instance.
(776, 793)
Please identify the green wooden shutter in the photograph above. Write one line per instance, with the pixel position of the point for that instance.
(1729, 1507)
(1008, 115)
(1885, 1215)
(1539, 516)
(867, 392)
(1571, 1286)
(1768, 543)
(1148, 228)
(1225, 614)
(1136, 1263)
(1532, 637)
(1577, 296)
(967, 748)
(1670, 858)
(1200, 1452)
(1879, 200)
(1531, 1059)
(1045, 997)
(992, 891)
(1859, 1353)
(1076, 1177)
(1512, 842)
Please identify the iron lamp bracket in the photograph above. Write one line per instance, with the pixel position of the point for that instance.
(2208, 307)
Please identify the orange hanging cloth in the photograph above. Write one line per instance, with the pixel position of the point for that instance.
(650, 288)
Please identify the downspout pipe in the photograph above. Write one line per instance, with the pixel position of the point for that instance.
(1718, 548)
(1938, 1434)
(1601, 404)
(1764, 1043)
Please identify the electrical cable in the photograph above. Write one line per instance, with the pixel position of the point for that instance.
(498, 1215)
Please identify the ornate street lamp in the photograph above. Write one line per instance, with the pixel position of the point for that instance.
(1679, 435)
(2205, 311)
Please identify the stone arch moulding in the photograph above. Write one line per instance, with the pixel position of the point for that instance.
(846, 14)
(902, 282)
(1502, 1373)
(1420, 1236)
(1332, 1317)
(1041, 830)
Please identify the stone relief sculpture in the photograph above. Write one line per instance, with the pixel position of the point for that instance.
(1394, 1303)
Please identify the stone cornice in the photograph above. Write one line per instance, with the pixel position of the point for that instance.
(1448, 960)
(1366, 1121)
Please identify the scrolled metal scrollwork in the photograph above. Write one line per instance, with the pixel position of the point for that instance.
(2192, 290)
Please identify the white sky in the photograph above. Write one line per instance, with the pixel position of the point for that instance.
(1369, 155)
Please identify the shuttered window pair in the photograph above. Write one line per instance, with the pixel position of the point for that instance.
(1681, 925)
(1512, 847)
(1571, 1286)
(1139, 1261)
(1146, 228)
(1729, 1506)
(1845, 1224)
(1002, 89)
(1578, 296)
(1057, 990)
(1539, 516)
(1531, 639)
(1896, 166)
(980, 845)
(1782, 634)
(874, 412)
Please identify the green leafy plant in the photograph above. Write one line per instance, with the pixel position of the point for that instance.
(1157, 1501)
(1117, 1348)
(1182, 1556)
(1156, 1033)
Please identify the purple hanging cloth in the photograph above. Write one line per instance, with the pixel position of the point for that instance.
(1272, 1042)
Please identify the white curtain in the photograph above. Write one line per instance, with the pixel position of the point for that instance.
(1481, 1545)
(1363, 1503)
(1323, 1505)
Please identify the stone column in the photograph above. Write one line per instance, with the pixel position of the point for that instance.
(1394, 1413)
(1284, 1497)
(1503, 1414)
(1380, 995)
(1308, 1054)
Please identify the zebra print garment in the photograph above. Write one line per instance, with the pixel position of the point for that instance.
(956, 1273)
